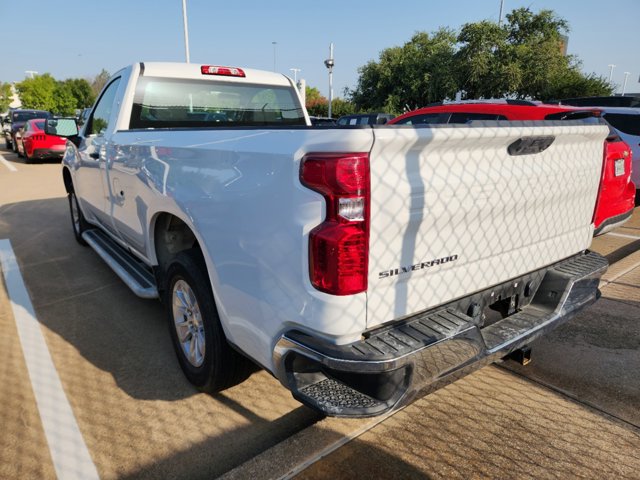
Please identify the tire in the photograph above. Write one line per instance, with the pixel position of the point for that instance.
(78, 222)
(205, 357)
(7, 144)
(14, 147)
(27, 158)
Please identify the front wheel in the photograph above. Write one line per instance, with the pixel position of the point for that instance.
(205, 357)
(78, 222)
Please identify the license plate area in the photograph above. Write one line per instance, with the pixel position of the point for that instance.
(619, 167)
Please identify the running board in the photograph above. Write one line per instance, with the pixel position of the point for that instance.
(131, 271)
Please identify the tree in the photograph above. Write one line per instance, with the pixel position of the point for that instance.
(318, 105)
(99, 81)
(43, 92)
(522, 58)
(5, 96)
(81, 91)
(420, 72)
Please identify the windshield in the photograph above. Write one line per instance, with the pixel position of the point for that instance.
(629, 124)
(175, 103)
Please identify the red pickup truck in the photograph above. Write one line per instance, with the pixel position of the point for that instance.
(616, 198)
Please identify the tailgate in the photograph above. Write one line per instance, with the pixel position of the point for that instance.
(453, 212)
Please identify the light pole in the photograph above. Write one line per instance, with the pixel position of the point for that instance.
(274, 55)
(31, 73)
(329, 63)
(295, 74)
(611, 67)
(186, 30)
(624, 85)
(501, 10)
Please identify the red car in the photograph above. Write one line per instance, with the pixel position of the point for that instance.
(616, 199)
(35, 144)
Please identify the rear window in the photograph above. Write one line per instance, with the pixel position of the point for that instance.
(629, 124)
(180, 103)
(39, 125)
(26, 116)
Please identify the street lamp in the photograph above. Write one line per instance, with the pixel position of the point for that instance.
(611, 67)
(274, 55)
(295, 74)
(624, 85)
(329, 63)
(31, 73)
(186, 30)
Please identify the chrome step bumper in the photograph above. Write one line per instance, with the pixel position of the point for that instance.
(393, 366)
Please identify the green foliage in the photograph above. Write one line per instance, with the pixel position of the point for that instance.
(81, 91)
(43, 92)
(99, 81)
(5, 96)
(521, 59)
(420, 72)
(318, 105)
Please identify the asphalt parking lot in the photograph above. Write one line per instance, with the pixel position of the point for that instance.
(574, 412)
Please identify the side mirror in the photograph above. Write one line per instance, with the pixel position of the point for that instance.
(63, 127)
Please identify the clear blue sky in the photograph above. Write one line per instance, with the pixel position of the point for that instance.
(73, 38)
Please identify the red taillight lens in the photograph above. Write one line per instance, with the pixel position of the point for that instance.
(339, 246)
(224, 71)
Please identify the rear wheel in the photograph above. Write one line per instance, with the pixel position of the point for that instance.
(78, 222)
(205, 357)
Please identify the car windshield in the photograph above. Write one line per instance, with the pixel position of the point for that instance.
(24, 116)
(626, 123)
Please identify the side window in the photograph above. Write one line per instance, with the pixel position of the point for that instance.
(99, 121)
(468, 117)
(425, 119)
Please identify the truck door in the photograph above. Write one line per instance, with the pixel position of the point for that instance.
(92, 185)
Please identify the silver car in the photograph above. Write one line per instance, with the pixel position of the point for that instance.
(626, 121)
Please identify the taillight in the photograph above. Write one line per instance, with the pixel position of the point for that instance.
(339, 246)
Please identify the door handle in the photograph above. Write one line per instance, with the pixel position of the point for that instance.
(95, 155)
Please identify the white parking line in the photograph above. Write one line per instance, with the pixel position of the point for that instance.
(8, 164)
(623, 235)
(71, 458)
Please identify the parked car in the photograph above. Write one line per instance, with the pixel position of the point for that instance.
(322, 121)
(365, 119)
(35, 144)
(621, 165)
(626, 122)
(18, 119)
(355, 265)
(612, 101)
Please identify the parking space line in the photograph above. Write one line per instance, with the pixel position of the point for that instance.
(7, 164)
(623, 235)
(70, 455)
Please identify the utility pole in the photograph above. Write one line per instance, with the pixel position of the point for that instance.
(501, 10)
(186, 30)
(295, 74)
(611, 67)
(624, 85)
(329, 63)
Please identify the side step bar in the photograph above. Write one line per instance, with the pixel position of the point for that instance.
(131, 271)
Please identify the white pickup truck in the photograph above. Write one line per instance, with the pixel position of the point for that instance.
(361, 266)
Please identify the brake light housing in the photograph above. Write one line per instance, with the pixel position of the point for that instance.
(339, 246)
(223, 71)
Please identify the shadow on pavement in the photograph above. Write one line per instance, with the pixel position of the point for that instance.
(137, 412)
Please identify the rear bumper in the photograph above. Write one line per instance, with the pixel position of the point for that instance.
(613, 223)
(393, 366)
(48, 152)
